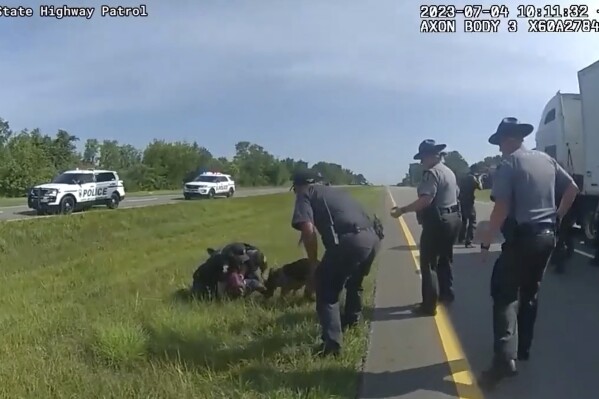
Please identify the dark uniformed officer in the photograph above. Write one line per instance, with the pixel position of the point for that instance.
(437, 211)
(351, 242)
(213, 271)
(524, 188)
(564, 249)
(595, 261)
(468, 185)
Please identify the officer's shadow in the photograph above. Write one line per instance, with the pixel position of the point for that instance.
(432, 378)
(394, 313)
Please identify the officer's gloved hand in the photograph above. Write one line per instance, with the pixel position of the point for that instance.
(396, 212)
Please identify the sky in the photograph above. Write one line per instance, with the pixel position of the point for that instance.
(345, 81)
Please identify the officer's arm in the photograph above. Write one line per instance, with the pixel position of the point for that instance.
(427, 189)
(501, 194)
(303, 220)
(477, 183)
(565, 184)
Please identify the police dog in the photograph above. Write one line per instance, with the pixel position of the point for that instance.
(290, 278)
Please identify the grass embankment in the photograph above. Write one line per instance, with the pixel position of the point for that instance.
(88, 308)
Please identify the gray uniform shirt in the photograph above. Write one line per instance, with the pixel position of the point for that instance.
(528, 180)
(440, 183)
(345, 212)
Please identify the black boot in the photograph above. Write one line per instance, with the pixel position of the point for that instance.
(348, 322)
(324, 350)
(447, 298)
(421, 310)
(498, 371)
(523, 354)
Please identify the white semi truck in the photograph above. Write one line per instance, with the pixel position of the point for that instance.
(569, 132)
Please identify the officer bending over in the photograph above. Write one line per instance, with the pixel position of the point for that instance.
(524, 188)
(351, 242)
(438, 212)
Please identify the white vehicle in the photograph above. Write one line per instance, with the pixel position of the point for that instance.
(77, 190)
(569, 132)
(208, 185)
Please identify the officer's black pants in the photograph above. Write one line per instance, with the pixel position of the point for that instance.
(597, 237)
(515, 285)
(436, 256)
(468, 223)
(203, 291)
(343, 265)
(564, 249)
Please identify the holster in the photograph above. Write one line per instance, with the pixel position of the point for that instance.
(378, 227)
(431, 216)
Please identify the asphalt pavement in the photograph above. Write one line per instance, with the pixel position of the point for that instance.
(441, 356)
(23, 212)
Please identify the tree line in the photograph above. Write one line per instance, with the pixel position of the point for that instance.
(30, 157)
(456, 162)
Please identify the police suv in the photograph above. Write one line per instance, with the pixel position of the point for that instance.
(77, 190)
(209, 184)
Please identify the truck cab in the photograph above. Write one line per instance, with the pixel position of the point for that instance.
(569, 132)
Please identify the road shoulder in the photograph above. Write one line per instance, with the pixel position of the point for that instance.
(405, 357)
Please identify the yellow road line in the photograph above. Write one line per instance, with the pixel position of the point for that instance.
(461, 373)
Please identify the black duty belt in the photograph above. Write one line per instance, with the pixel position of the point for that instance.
(354, 230)
(448, 210)
(536, 228)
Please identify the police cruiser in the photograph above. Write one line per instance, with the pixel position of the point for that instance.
(209, 184)
(77, 190)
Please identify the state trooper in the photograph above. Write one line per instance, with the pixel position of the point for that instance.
(437, 211)
(468, 186)
(351, 240)
(524, 187)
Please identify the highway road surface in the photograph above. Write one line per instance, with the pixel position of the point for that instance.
(440, 357)
(23, 212)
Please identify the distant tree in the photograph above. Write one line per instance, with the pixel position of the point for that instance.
(31, 157)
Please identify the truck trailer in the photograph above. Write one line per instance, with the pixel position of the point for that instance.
(569, 132)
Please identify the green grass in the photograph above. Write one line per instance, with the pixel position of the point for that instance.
(483, 195)
(89, 308)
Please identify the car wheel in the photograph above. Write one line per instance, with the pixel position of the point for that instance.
(211, 193)
(67, 205)
(230, 193)
(114, 201)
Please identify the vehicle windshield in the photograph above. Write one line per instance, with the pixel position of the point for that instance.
(71, 178)
(206, 179)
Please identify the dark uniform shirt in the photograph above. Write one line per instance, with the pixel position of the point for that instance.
(468, 186)
(211, 271)
(346, 214)
(528, 181)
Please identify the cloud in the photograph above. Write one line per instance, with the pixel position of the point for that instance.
(315, 67)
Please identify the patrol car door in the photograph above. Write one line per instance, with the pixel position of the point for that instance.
(106, 183)
(87, 183)
(221, 184)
